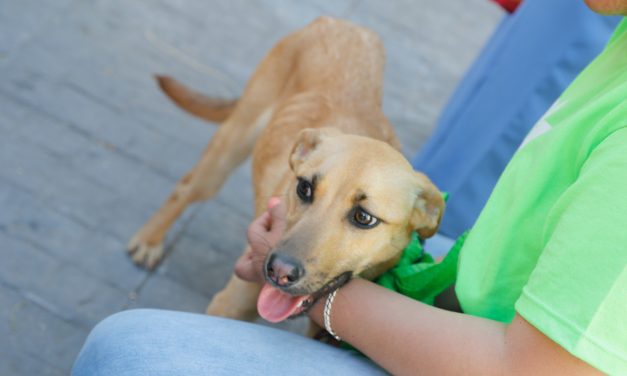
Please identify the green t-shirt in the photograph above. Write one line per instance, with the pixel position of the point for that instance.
(551, 243)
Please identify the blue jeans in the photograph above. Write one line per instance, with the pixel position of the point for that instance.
(155, 342)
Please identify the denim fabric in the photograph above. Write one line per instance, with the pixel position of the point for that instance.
(154, 342)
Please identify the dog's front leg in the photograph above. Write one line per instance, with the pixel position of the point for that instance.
(146, 246)
(238, 300)
(228, 148)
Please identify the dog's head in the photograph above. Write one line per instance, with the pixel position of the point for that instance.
(351, 209)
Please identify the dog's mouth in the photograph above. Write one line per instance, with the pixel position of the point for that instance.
(276, 305)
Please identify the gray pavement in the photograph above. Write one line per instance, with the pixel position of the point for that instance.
(89, 147)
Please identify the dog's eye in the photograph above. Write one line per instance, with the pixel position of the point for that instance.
(304, 189)
(363, 219)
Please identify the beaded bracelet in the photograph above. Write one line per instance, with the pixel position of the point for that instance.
(327, 314)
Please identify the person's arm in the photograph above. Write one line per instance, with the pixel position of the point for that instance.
(405, 336)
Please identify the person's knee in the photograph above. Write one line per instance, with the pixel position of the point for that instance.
(114, 341)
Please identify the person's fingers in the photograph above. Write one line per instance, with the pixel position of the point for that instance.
(246, 268)
(261, 224)
(265, 221)
(263, 233)
(249, 267)
(272, 202)
(242, 265)
(277, 214)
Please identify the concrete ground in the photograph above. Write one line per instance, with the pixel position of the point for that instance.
(89, 147)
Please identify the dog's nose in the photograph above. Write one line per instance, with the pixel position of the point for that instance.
(283, 270)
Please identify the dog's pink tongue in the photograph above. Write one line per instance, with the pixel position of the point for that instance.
(274, 305)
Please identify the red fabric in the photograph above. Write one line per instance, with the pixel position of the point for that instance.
(508, 5)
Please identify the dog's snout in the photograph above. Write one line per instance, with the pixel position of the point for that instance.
(284, 270)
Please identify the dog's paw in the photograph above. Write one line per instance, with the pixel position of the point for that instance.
(144, 254)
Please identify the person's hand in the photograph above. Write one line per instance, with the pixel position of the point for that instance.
(263, 234)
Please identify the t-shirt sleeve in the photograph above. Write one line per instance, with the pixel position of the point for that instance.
(577, 293)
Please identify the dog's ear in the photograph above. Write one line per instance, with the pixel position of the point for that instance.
(428, 207)
(306, 143)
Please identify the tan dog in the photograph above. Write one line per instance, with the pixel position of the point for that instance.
(311, 116)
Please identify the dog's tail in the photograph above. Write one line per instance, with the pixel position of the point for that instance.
(211, 109)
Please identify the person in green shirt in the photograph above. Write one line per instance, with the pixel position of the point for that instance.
(551, 243)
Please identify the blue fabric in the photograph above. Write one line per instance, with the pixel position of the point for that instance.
(531, 58)
(153, 342)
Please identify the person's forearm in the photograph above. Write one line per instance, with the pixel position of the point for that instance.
(405, 336)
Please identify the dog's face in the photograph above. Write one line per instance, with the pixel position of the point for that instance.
(352, 207)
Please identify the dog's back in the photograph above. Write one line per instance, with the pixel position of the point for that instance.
(337, 58)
